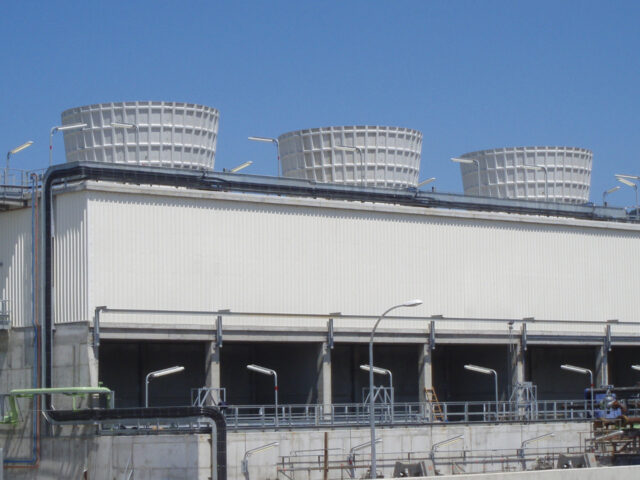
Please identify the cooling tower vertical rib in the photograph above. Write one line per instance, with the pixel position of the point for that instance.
(355, 155)
(519, 172)
(163, 134)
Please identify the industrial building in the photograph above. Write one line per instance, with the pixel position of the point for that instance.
(136, 256)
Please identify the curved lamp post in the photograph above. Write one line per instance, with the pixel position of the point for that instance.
(470, 161)
(486, 371)
(425, 182)
(248, 453)
(268, 371)
(526, 442)
(156, 374)
(12, 152)
(372, 420)
(607, 192)
(448, 441)
(359, 151)
(127, 126)
(269, 140)
(62, 128)
(584, 371)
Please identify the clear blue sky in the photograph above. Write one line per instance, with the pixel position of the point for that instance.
(468, 74)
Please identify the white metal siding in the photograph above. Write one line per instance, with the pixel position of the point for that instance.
(70, 260)
(15, 272)
(164, 252)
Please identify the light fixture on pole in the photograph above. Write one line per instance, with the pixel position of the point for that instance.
(636, 368)
(470, 161)
(629, 183)
(486, 371)
(62, 128)
(126, 126)
(359, 151)
(583, 371)
(238, 168)
(12, 152)
(268, 371)
(531, 440)
(546, 178)
(156, 374)
(245, 461)
(443, 443)
(269, 140)
(372, 420)
(424, 182)
(607, 192)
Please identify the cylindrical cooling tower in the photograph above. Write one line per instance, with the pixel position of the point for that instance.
(357, 155)
(160, 134)
(556, 174)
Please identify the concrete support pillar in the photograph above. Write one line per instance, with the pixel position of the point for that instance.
(212, 367)
(324, 376)
(602, 366)
(425, 374)
(516, 364)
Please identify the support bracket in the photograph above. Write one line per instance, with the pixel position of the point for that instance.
(219, 331)
(432, 334)
(330, 333)
(96, 325)
(524, 336)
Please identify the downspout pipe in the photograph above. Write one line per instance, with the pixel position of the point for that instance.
(35, 426)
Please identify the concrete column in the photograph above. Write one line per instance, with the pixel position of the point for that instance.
(324, 376)
(212, 367)
(425, 375)
(516, 363)
(601, 375)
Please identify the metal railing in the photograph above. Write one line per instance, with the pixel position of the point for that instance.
(241, 417)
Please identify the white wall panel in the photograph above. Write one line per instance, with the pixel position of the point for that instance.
(70, 258)
(167, 252)
(15, 271)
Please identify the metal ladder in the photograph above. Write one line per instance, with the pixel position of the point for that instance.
(432, 399)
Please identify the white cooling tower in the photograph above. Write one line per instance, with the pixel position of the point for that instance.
(559, 174)
(357, 155)
(161, 134)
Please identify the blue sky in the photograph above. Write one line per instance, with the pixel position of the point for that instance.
(469, 74)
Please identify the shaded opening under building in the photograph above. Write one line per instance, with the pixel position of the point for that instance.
(124, 365)
(295, 363)
(348, 381)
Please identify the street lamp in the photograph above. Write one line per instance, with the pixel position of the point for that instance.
(470, 161)
(631, 184)
(531, 440)
(62, 128)
(607, 192)
(124, 143)
(428, 180)
(372, 421)
(443, 443)
(12, 152)
(239, 167)
(268, 371)
(486, 371)
(636, 367)
(584, 371)
(156, 374)
(248, 453)
(546, 178)
(269, 140)
(359, 151)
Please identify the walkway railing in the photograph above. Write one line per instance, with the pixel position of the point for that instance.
(299, 416)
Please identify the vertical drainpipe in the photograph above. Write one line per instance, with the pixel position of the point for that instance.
(32, 462)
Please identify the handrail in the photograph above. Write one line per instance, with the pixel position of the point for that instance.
(13, 416)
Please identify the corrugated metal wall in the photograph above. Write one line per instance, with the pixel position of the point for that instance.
(15, 271)
(168, 252)
(70, 258)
